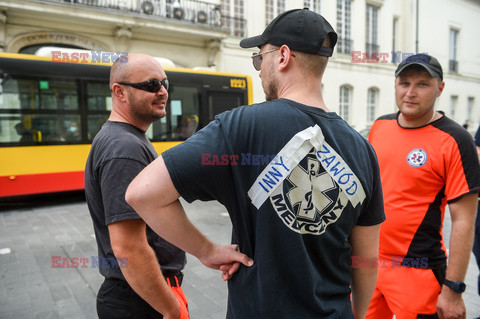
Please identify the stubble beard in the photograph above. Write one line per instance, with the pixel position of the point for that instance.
(271, 92)
(145, 112)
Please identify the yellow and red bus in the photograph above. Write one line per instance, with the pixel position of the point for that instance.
(50, 112)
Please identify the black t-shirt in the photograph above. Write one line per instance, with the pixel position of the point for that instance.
(119, 152)
(295, 180)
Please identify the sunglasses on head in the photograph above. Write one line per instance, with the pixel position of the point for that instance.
(257, 58)
(152, 86)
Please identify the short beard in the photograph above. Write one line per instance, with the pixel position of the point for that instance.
(139, 110)
(271, 93)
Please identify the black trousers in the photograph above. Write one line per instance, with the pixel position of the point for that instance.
(116, 299)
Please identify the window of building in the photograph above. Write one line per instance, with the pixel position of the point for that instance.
(345, 93)
(344, 26)
(470, 103)
(453, 106)
(313, 5)
(273, 8)
(233, 12)
(395, 34)
(453, 63)
(372, 30)
(372, 100)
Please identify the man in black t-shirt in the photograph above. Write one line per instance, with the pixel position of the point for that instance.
(302, 188)
(142, 271)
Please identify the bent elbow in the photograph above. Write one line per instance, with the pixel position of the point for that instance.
(132, 195)
(152, 189)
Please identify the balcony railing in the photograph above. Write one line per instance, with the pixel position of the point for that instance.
(190, 11)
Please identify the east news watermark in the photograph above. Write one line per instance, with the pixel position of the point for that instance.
(88, 57)
(393, 262)
(248, 159)
(385, 57)
(86, 262)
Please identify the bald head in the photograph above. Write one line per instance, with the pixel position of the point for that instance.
(134, 104)
(123, 68)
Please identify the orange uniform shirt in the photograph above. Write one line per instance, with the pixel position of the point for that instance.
(421, 170)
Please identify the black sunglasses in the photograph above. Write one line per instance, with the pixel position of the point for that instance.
(152, 86)
(257, 58)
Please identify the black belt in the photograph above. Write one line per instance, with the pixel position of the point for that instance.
(171, 275)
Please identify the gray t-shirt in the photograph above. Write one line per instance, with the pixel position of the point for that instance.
(119, 152)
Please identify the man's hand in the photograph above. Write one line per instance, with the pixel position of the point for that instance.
(450, 305)
(226, 258)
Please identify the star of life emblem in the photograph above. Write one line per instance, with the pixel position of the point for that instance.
(308, 184)
(417, 157)
(309, 199)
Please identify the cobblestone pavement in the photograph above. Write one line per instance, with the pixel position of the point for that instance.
(60, 225)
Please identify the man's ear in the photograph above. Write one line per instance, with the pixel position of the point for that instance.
(441, 86)
(119, 91)
(286, 56)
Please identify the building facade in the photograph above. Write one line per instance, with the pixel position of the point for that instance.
(374, 36)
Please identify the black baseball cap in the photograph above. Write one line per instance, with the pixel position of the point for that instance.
(300, 29)
(424, 60)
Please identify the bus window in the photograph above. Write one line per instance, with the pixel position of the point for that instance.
(40, 111)
(94, 124)
(27, 94)
(12, 129)
(182, 117)
(187, 125)
(99, 105)
(40, 128)
(12, 95)
(58, 94)
(56, 128)
(99, 97)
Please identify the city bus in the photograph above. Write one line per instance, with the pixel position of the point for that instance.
(51, 111)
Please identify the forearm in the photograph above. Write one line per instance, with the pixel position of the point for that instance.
(364, 241)
(461, 241)
(171, 223)
(450, 303)
(144, 275)
(155, 198)
(142, 272)
(463, 214)
(363, 286)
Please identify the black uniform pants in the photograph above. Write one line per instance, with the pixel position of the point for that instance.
(116, 299)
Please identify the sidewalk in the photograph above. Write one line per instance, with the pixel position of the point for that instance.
(31, 288)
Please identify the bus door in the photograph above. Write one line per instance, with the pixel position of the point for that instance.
(221, 101)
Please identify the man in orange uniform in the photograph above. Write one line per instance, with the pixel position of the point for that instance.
(426, 162)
